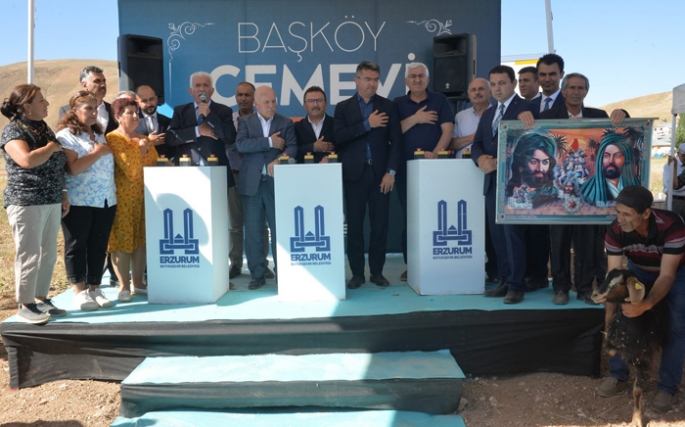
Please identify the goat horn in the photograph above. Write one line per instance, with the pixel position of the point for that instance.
(636, 290)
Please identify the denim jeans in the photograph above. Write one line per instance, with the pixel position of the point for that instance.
(673, 352)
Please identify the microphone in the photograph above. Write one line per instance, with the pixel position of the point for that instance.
(203, 99)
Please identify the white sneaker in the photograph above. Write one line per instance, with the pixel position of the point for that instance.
(100, 299)
(124, 296)
(83, 301)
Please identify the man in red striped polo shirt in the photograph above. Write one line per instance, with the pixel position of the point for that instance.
(653, 240)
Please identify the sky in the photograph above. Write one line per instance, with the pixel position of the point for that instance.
(626, 48)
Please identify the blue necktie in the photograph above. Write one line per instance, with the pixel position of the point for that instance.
(548, 101)
(495, 124)
(198, 116)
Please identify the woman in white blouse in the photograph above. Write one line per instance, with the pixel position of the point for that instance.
(91, 191)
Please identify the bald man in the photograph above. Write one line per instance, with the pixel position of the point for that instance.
(262, 138)
(466, 121)
(152, 123)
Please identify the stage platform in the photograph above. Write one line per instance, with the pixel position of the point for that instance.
(484, 335)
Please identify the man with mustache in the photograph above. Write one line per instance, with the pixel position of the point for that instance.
(93, 79)
(533, 166)
(426, 120)
(587, 240)
(466, 121)
(614, 171)
(529, 87)
(262, 138)
(315, 131)
(244, 97)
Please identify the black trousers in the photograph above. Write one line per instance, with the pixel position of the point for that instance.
(359, 194)
(401, 187)
(590, 260)
(86, 232)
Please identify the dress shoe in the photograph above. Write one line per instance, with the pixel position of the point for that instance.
(355, 282)
(234, 271)
(513, 297)
(586, 298)
(379, 280)
(268, 274)
(492, 278)
(560, 298)
(498, 292)
(403, 276)
(255, 283)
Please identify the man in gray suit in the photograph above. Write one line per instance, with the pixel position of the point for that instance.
(262, 138)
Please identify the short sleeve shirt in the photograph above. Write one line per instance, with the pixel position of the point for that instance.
(41, 185)
(665, 235)
(94, 186)
(424, 136)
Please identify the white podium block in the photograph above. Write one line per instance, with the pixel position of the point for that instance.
(186, 221)
(309, 232)
(445, 227)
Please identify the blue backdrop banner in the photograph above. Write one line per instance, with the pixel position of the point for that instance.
(291, 45)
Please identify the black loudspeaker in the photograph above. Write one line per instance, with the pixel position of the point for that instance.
(141, 63)
(454, 64)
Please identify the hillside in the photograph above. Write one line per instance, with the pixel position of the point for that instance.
(654, 105)
(58, 80)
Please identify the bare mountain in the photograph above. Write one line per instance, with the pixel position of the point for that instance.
(58, 80)
(654, 105)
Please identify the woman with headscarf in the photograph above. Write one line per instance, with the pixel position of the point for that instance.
(35, 198)
(91, 191)
(127, 240)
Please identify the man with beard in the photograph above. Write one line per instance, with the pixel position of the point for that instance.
(614, 171)
(152, 123)
(533, 165)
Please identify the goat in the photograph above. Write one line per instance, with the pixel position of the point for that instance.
(635, 339)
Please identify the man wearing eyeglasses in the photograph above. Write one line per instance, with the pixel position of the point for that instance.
(315, 132)
(367, 128)
(426, 119)
(152, 123)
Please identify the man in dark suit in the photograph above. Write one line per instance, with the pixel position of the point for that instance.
(367, 129)
(550, 69)
(509, 240)
(262, 138)
(202, 128)
(588, 240)
(152, 123)
(93, 79)
(315, 132)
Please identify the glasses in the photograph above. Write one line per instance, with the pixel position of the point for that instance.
(315, 101)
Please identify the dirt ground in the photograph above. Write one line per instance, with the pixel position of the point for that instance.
(531, 400)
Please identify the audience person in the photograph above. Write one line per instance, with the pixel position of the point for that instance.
(129, 94)
(367, 128)
(244, 96)
(34, 198)
(426, 121)
(509, 240)
(315, 132)
(92, 197)
(671, 180)
(132, 152)
(262, 138)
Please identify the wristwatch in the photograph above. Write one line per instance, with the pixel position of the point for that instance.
(391, 172)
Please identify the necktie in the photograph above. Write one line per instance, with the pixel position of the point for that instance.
(150, 124)
(495, 124)
(548, 101)
(199, 117)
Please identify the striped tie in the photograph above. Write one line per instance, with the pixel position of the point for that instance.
(495, 124)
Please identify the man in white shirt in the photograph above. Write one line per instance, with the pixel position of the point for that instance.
(678, 205)
(152, 123)
(466, 121)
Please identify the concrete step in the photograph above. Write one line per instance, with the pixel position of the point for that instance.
(267, 418)
(429, 382)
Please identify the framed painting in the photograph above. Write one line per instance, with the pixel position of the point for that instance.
(569, 171)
